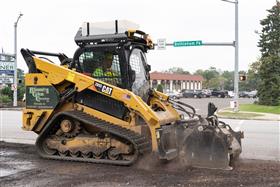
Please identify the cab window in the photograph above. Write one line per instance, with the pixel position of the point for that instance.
(104, 66)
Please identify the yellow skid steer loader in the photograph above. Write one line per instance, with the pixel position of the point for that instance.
(98, 106)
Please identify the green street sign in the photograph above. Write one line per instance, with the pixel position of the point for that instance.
(187, 43)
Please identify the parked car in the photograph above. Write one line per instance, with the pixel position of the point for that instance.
(219, 93)
(192, 94)
(174, 94)
(206, 93)
(253, 94)
(244, 94)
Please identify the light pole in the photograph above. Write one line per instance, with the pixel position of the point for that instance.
(15, 65)
(236, 57)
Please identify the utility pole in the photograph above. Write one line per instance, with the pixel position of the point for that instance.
(236, 56)
(15, 63)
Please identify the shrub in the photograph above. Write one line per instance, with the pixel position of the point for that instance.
(160, 88)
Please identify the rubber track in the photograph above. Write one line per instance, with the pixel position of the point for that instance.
(140, 143)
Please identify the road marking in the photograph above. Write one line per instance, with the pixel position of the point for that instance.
(240, 123)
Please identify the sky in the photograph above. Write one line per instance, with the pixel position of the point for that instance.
(50, 25)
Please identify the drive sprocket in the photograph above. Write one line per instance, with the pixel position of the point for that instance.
(70, 128)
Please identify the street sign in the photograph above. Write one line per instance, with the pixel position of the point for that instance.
(4, 65)
(14, 87)
(7, 72)
(161, 44)
(187, 43)
(6, 79)
(7, 57)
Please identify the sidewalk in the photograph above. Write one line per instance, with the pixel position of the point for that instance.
(225, 113)
(12, 108)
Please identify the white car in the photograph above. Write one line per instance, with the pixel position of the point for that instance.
(253, 94)
(174, 94)
(231, 94)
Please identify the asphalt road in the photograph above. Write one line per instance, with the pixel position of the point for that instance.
(261, 137)
(21, 166)
(259, 165)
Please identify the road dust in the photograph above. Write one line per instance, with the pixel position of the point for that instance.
(151, 162)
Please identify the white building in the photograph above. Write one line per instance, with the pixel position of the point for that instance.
(176, 82)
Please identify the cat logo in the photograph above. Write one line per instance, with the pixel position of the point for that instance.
(103, 88)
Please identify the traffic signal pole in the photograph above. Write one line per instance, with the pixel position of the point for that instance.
(162, 43)
(236, 54)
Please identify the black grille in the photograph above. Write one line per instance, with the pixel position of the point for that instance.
(102, 103)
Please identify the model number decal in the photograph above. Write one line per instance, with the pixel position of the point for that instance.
(103, 88)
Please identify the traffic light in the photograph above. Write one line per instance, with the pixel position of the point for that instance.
(242, 77)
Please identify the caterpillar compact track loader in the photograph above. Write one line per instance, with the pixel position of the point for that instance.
(116, 118)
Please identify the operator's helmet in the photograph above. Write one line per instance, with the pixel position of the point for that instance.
(108, 60)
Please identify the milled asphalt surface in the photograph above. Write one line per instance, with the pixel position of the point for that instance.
(21, 166)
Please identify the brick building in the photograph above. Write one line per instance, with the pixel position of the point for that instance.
(176, 82)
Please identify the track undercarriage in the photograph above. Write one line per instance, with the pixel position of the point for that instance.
(78, 136)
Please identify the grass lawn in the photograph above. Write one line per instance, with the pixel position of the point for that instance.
(260, 108)
(238, 115)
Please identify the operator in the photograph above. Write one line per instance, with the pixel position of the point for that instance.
(105, 70)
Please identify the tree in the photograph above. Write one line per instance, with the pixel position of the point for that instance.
(217, 83)
(211, 73)
(4, 99)
(7, 91)
(253, 75)
(199, 72)
(21, 85)
(228, 76)
(5, 95)
(269, 86)
(178, 70)
(269, 71)
(207, 75)
(270, 36)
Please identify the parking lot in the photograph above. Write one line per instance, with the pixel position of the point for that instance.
(200, 104)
